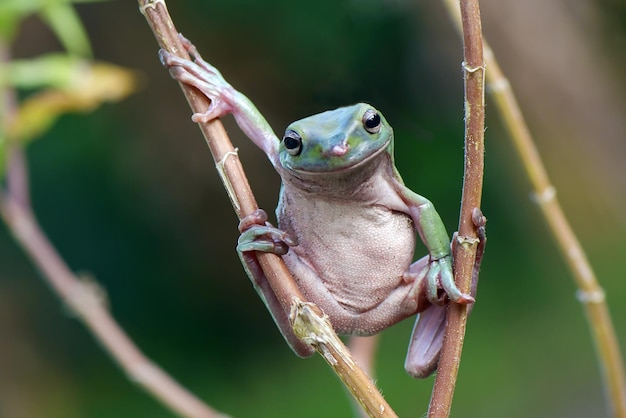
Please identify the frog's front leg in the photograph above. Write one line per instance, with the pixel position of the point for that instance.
(224, 98)
(433, 233)
(258, 235)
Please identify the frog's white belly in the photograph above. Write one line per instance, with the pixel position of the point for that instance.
(357, 252)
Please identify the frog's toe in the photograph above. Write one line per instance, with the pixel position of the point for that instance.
(448, 284)
(169, 60)
(432, 284)
(264, 246)
(264, 238)
(258, 217)
(189, 47)
(196, 57)
(215, 110)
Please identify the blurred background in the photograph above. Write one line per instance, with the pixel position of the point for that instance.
(129, 194)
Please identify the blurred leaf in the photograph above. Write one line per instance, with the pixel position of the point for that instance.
(66, 24)
(91, 85)
(13, 11)
(52, 70)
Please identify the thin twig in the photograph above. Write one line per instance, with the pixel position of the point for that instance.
(467, 240)
(321, 335)
(87, 302)
(590, 294)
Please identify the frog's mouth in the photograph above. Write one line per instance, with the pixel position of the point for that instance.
(338, 159)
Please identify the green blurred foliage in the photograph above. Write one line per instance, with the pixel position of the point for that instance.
(129, 194)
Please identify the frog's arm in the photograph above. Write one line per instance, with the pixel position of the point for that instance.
(224, 98)
(257, 234)
(433, 233)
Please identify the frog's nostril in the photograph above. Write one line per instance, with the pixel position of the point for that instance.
(340, 150)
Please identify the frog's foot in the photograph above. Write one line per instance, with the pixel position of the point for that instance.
(432, 280)
(203, 76)
(440, 276)
(441, 271)
(258, 235)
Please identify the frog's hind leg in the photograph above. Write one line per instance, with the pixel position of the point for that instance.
(426, 342)
(430, 324)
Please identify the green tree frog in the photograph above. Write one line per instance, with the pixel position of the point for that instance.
(347, 224)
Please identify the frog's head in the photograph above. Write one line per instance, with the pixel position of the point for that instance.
(335, 140)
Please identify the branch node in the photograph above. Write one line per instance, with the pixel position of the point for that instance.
(471, 69)
(151, 4)
(590, 296)
(499, 85)
(86, 293)
(312, 326)
(221, 169)
(544, 196)
(467, 240)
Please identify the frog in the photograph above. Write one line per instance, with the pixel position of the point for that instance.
(347, 225)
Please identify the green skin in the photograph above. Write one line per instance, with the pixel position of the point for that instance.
(347, 224)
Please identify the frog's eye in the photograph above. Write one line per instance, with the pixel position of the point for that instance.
(371, 121)
(293, 143)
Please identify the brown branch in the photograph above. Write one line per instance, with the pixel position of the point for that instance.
(307, 320)
(590, 293)
(465, 254)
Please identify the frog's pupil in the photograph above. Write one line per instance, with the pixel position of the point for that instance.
(373, 121)
(291, 143)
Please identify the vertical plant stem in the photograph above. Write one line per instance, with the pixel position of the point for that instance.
(467, 239)
(318, 331)
(590, 294)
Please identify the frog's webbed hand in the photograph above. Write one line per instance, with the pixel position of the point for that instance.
(259, 235)
(203, 76)
(224, 98)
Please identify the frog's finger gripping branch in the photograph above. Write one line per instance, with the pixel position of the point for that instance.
(259, 235)
(440, 274)
(191, 73)
(224, 98)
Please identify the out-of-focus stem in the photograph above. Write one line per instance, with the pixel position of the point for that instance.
(590, 294)
(86, 300)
